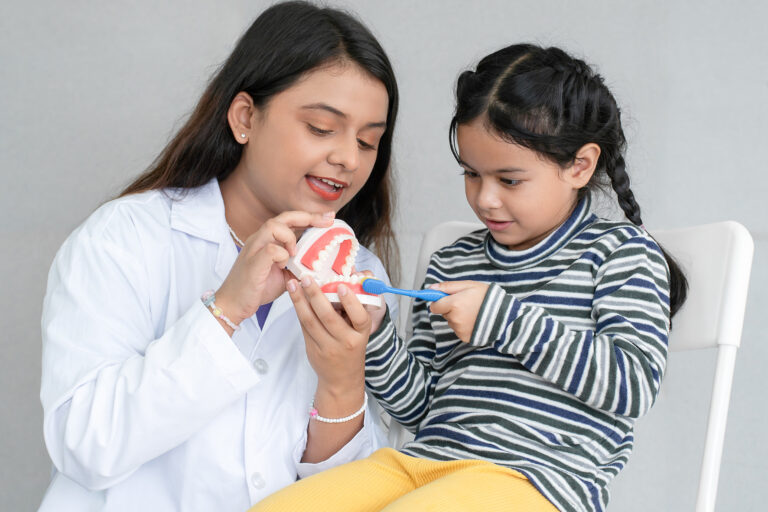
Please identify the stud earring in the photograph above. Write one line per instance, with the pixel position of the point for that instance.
(242, 135)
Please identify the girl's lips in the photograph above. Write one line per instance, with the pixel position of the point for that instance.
(497, 225)
(324, 190)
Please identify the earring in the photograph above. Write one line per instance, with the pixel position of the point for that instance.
(242, 135)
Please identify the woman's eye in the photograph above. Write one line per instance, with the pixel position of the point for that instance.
(469, 174)
(508, 182)
(318, 131)
(365, 145)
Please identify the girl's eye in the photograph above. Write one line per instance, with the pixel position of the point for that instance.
(508, 182)
(318, 131)
(365, 145)
(469, 174)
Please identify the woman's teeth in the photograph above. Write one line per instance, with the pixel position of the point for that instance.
(329, 182)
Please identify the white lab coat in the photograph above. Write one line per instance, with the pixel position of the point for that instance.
(148, 404)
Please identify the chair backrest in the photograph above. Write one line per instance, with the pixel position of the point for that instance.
(717, 259)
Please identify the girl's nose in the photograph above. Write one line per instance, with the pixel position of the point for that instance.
(346, 154)
(488, 196)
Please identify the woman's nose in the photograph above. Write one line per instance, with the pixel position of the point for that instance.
(346, 153)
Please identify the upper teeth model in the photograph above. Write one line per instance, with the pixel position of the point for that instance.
(328, 256)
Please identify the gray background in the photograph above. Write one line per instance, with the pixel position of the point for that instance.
(90, 93)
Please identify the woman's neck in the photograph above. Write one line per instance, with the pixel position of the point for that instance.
(244, 212)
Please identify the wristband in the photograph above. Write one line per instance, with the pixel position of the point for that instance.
(314, 415)
(208, 299)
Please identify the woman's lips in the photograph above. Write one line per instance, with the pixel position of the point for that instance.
(495, 225)
(324, 190)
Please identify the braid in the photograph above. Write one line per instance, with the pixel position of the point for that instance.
(615, 168)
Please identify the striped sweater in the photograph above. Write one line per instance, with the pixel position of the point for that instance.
(568, 349)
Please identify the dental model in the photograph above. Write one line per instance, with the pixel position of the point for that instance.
(328, 256)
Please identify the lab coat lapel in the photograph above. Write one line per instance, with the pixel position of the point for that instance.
(199, 212)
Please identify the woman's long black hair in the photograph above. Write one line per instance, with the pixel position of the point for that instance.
(286, 41)
(547, 101)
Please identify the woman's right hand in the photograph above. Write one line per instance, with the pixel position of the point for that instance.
(257, 276)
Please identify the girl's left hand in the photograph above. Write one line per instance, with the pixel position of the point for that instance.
(461, 307)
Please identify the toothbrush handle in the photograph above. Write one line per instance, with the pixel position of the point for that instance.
(426, 294)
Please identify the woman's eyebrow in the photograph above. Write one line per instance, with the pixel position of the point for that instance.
(497, 171)
(339, 113)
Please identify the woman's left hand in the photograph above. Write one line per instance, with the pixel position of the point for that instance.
(462, 305)
(335, 344)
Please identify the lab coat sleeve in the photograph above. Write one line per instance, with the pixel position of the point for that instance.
(114, 397)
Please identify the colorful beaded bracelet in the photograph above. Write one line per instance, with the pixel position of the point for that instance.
(209, 299)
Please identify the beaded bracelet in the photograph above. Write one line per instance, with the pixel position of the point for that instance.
(208, 299)
(313, 413)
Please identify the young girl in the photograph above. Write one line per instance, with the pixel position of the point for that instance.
(522, 385)
(148, 403)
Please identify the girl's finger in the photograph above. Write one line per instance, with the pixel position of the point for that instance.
(358, 316)
(451, 287)
(442, 306)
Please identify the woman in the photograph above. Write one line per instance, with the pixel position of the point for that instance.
(148, 403)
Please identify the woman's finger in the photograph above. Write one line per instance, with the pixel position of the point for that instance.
(311, 325)
(299, 219)
(323, 308)
(274, 231)
(356, 312)
(274, 253)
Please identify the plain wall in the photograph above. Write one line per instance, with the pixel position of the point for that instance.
(90, 93)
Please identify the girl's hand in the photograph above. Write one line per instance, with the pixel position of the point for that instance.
(335, 344)
(461, 307)
(257, 277)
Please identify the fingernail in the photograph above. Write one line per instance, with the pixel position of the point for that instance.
(329, 215)
(291, 286)
(342, 290)
(306, 281)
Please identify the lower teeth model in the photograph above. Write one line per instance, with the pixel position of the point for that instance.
(328, 256)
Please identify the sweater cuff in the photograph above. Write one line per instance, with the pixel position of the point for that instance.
(382, 335)
(498, 311)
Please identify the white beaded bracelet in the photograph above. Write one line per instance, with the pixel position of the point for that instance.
(208, 299)
(313, 413)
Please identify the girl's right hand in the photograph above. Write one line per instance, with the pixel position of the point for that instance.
(257, 276)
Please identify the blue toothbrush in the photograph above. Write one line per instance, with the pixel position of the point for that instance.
(377, 287)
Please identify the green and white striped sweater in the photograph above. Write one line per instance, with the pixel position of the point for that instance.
(569, 348)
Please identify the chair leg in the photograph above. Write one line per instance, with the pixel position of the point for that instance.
(718, 416)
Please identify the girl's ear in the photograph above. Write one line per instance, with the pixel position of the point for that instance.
(241, 115)
(583, 166)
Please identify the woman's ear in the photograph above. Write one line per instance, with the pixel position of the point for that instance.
(241, 116)
(583, 166)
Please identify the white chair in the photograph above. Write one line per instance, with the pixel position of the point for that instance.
(717, 259)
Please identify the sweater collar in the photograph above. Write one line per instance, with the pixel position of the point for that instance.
(503, 257)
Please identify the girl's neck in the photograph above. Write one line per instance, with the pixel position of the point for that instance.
(244, 212)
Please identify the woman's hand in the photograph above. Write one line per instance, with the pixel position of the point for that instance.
(335, 342)
(377, 314)
(461, 307)
(257, 276)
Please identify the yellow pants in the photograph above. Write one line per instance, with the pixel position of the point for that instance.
(390, 481)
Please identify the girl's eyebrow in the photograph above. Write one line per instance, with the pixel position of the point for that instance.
(497, 171)
(339, 113)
